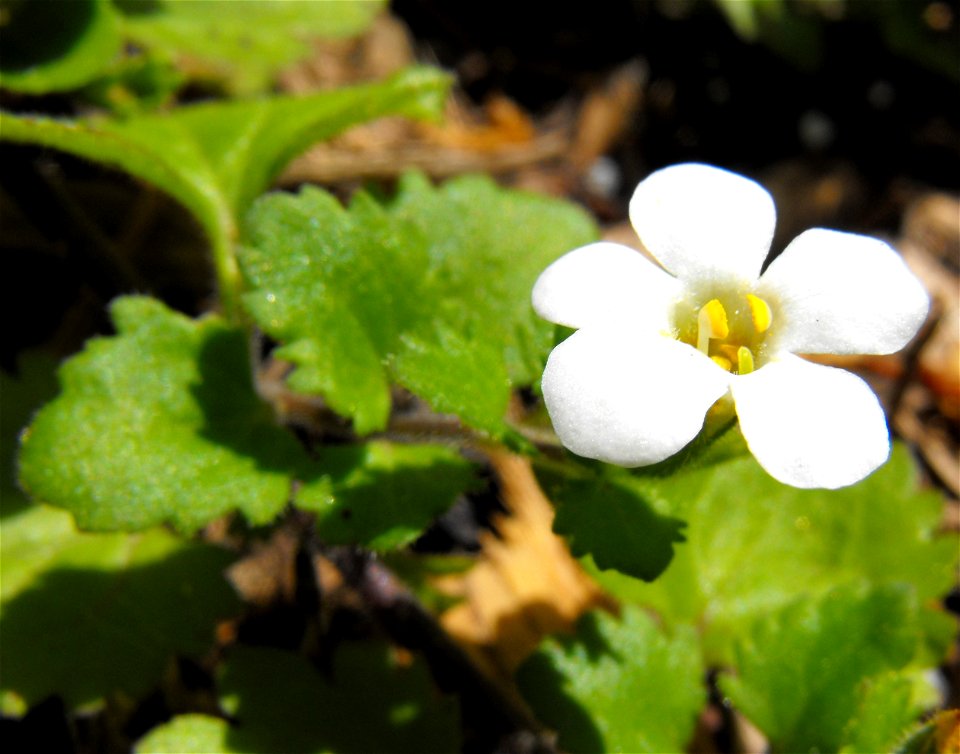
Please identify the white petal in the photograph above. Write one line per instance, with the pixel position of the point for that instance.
(810, 425)
(704, 223)
(606, 283)
(836, 292)
(627, 400)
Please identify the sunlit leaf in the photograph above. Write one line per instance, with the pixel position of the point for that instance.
(161, 423)
(618, 685)
(430, 291)
(799, 669)
(754, 545)
(157, 424)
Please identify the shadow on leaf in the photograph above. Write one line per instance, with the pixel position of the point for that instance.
(544, 687)
(234, 415)
(614, 520)
(84, 632)
(279, 702)
(31, 38)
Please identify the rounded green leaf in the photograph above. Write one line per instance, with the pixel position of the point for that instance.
(159, 423)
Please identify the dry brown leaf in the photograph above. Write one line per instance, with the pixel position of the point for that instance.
(931, 247)
(501, 123)
(266, 575)
(948, 732)
(526, 584)
(381, 51)
(607, 113)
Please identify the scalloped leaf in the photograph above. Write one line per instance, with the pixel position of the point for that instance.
(246, 47)
(57, 45)
(431, 291)
(83, 615)
(799, 669)
(755, 545)
(617, 685)
(279, 702)
(159, 424)
(215, 158)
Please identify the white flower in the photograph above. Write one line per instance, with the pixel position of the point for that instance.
(656, 348)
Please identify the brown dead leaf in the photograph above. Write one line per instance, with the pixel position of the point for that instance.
(948, 731)
(526, 584)
(266, 575)
(607, 113)
(500, 123)
(381, 51)
(931, 247)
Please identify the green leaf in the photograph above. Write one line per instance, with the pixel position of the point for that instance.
(57, 45)
(215, 158)
(280, 703)
(618, 685)
(799, 669)
(755, 545)
(83, 615)
(159, 424)
(615, 518)
(385, 494)
(431, 291)
(247, 46)
(887, 709)
(188, 734)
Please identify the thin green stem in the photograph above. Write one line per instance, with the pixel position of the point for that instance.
(229, 280)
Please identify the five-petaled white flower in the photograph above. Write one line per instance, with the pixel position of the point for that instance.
(655, 348)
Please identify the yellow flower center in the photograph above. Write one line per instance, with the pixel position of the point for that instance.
(729, 328)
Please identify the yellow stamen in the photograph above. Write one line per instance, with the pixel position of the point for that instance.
(760, 312)
(744, 360)
(722, 362)
(729, 351)
(711, 323)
